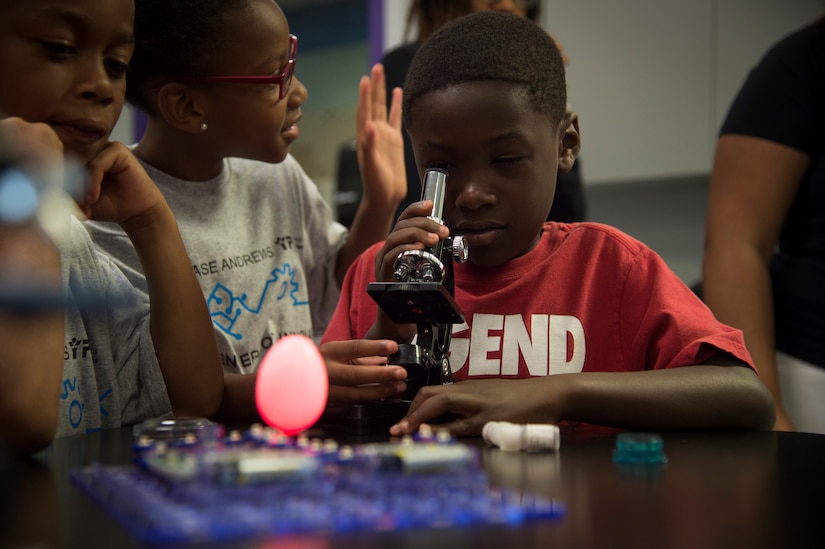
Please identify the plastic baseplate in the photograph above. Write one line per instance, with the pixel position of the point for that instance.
(263, 484)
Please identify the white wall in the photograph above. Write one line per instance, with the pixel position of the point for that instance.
(125, 128)
(747, 28)
(652, 79)
(395, 17)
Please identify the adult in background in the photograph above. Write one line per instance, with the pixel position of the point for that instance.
(764, 262)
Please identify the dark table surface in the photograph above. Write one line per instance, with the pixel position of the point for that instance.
(718, 489)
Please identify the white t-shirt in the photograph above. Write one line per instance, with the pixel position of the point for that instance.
(263, 244)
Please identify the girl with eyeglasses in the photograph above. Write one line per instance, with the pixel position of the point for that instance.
(217, 81)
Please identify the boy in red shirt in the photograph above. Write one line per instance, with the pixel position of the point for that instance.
(565, 323)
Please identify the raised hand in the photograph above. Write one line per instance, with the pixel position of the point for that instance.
(380, 145)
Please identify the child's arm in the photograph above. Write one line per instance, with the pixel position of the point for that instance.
(31, 362)
(182, 331)
(370, 379)
(31, 332)
(752, 187)
(380, 149)
(724, 396)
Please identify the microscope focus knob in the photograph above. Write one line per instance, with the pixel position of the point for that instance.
(458, 247)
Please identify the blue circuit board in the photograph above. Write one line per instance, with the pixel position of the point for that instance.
(260, 483)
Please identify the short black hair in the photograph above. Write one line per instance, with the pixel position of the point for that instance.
(493, 46)
(175, 38)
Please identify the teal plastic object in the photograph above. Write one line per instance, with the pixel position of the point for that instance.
(639, 448)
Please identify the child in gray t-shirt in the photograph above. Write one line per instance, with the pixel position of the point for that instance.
(97, 358)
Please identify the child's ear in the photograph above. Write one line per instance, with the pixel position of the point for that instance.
(180, 108)
(570, 142)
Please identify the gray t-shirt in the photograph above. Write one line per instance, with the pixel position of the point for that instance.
(263, 244)
(111, 375)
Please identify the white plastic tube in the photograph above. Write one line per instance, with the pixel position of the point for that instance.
(531, 437)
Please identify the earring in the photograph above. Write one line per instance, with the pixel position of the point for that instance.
(203, 126)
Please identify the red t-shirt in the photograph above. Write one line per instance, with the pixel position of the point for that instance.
(587, 298)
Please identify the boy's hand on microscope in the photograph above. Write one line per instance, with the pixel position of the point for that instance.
(413, 231)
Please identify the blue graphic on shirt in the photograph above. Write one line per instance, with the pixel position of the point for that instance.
(103, 411)
(225, 307)
(75, 411)
(76, 407)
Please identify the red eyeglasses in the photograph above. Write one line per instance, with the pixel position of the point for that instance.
(284, 79)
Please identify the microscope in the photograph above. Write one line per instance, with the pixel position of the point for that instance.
(422, 294)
